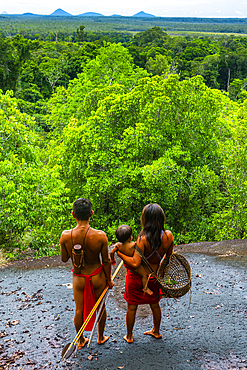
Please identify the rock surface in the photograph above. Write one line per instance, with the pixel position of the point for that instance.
(235, 247)
(204, 330)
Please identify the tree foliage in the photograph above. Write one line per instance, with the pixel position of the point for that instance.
(164, 140)
(32, 201)
(124, 138)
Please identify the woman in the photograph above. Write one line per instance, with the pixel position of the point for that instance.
(155, 243)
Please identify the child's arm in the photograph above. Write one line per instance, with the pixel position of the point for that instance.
(116, 248)
(112, 255)
(135, 260)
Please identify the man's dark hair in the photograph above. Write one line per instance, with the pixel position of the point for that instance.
(123, 233)
(82, 209)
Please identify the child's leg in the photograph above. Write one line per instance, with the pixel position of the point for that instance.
(141, 271)
(145, 285)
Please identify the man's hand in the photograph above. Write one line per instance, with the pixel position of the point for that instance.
(113, 262)
(111, 283)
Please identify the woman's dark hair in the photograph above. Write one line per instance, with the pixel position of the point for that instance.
(123, 233)
(153, 220)
(82, 209)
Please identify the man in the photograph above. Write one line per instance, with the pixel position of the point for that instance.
(88, 249)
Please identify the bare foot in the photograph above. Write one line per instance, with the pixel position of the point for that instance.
(148, 291)
(150, 332)
(128, 340)
(82, 344)
(105, 338)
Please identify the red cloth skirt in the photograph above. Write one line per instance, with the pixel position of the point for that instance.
(89, 297)
(133, 290)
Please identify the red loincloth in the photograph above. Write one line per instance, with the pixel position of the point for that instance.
(89, 297)
(133, 290)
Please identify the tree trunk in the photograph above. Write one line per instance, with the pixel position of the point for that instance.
(228, 79)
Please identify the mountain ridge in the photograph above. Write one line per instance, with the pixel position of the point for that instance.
(91, 14)
(60, 12)
(143, 14)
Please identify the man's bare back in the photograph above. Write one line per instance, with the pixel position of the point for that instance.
(96, 246)
(95, 266)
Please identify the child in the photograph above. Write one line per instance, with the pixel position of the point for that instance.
(127, 247)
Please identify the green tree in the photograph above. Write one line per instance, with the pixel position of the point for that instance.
(209, 69)
(162, 141)
(231, 221)
(159, 65)
(109, 73)
(236, 88)
(154, 36)
(33, 199)
(9, 65)
(80, 33)
(53, 70)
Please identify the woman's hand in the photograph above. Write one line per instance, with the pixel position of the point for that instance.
(134, 261)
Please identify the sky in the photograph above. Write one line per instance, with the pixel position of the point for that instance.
(159, 8)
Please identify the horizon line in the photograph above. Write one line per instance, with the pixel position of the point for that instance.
(149, 15)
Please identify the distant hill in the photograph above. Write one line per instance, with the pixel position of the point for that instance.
(4, 12)
(116, 15)
(143, 14)
(91, 14)
(60, 12)
(30, 14)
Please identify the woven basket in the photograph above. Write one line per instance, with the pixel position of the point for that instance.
(174, 276)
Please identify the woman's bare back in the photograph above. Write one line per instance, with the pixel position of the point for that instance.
(166, 248)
